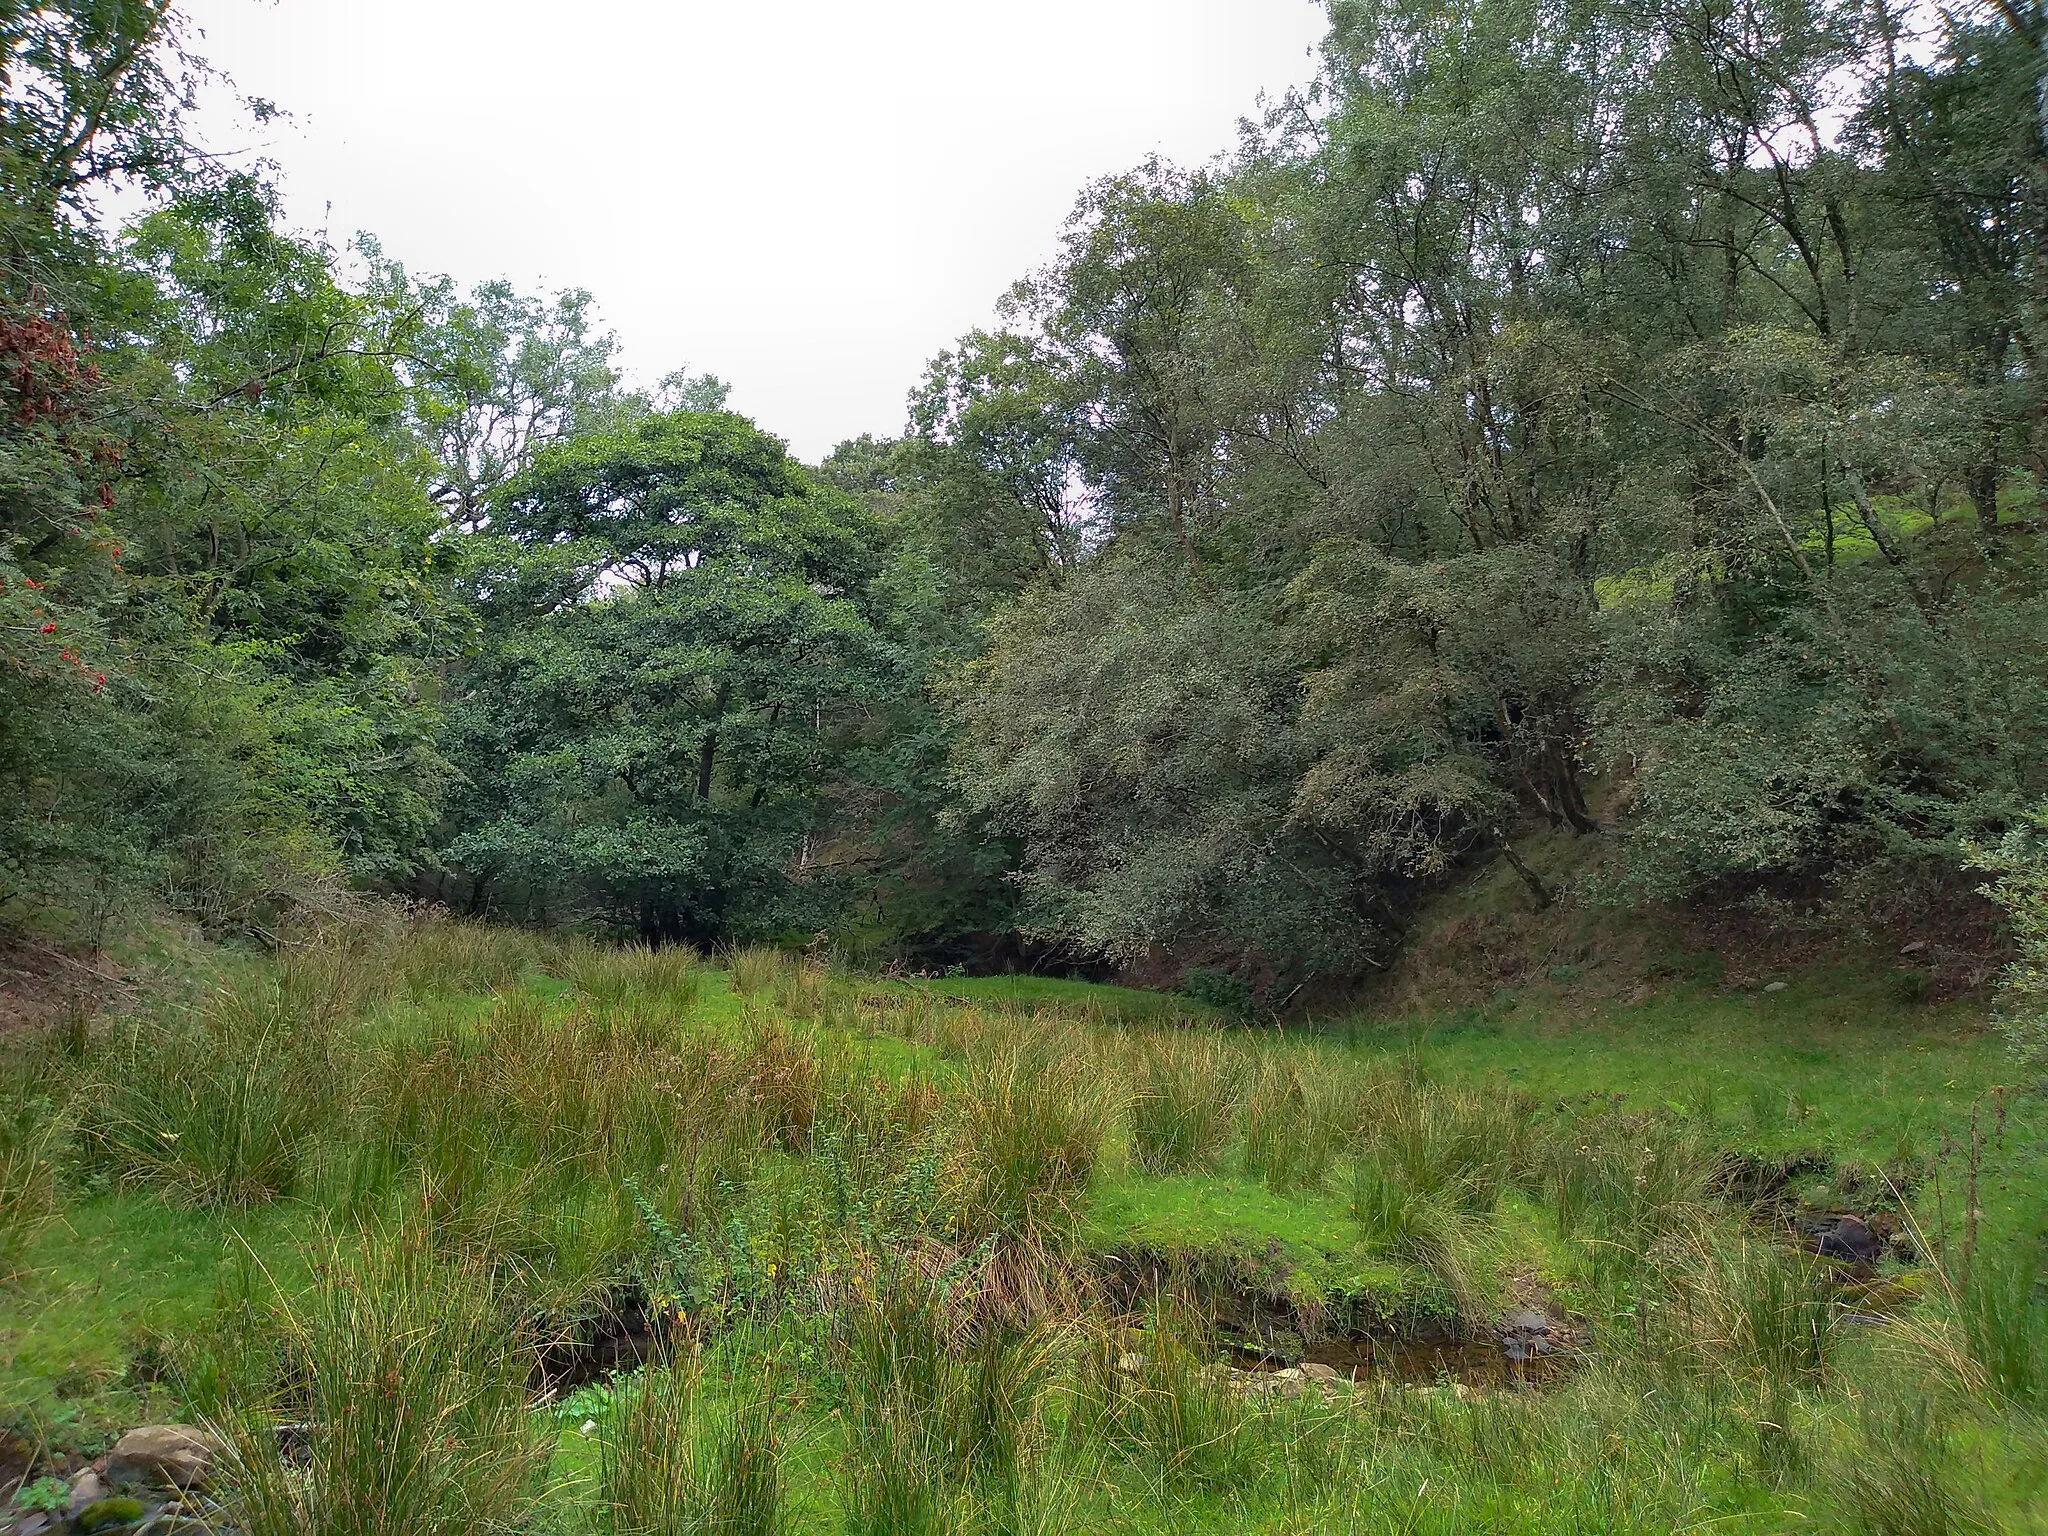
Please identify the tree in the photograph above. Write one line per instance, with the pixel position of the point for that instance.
(678, 666)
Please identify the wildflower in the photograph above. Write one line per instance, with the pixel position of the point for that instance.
(49, 629)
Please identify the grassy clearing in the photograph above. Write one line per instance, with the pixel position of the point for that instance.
(911, 1262)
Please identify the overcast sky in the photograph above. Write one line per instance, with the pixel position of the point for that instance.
(808, 198)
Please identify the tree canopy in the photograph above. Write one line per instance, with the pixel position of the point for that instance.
(1626, 419)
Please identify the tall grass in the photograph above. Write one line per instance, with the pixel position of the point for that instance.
(1029, 1124)
(220, 1107)
(30, 1132)
(1185, 1103)
(1161, 1398)
(437, 955)
(1458, 1149)
(676, 1458)
(664, 980)
(1288, 1142)
(938, 1401)
(1422, 1229)
(2004, 1322)
(413, 1390)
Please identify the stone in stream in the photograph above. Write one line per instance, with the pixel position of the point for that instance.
(1525, 1334)
(109, 1514)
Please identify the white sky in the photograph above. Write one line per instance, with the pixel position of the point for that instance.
(808, 199)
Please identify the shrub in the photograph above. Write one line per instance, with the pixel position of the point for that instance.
(2020, 863)
(1222, 990)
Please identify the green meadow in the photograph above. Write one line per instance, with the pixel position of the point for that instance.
(536, 1234)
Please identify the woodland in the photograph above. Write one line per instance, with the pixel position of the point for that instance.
(1617, 418)
(563, 954)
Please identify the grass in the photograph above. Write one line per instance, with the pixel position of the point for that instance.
(962, 1257)
(677, 1458)
(413, 1391)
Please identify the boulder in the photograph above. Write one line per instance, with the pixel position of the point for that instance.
(163, 1456)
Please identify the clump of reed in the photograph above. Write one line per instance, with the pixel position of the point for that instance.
(1161, 1397)
(619, 977)
(776, 978)
(412, 1389)
(2003, 1322)
(1718, 1304)
(677, 1457)
(534, 1136)
(1029, 1120)
(1290, 1141)
(436, 954)
(1416, 1227)
(785, 1079)
(1184, 1106)
(1458, 1149)
(941, 1403)
(30, 1136)
(219, 1105)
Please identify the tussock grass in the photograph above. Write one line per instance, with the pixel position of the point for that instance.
(941, 1402)
(676, 1458)
(1185, 1103)
(221, 1107)
(412, 1390)
(437, 954)
(616, 976)
(2004, 1324)
(1029, 1123)
(1422, 1229)
(1289, 1141)
(31, 1131)
(1159, 1396)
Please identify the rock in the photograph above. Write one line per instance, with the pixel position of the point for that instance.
(162, 1456)
(32, 1525)
(106, 1514)
(1850, 1240)
(1776, 986)
(88, 1489)
(1320, 1373)
(1130, 1365)
(1526, 1320)
(589, 1428)
(1290, 1373)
